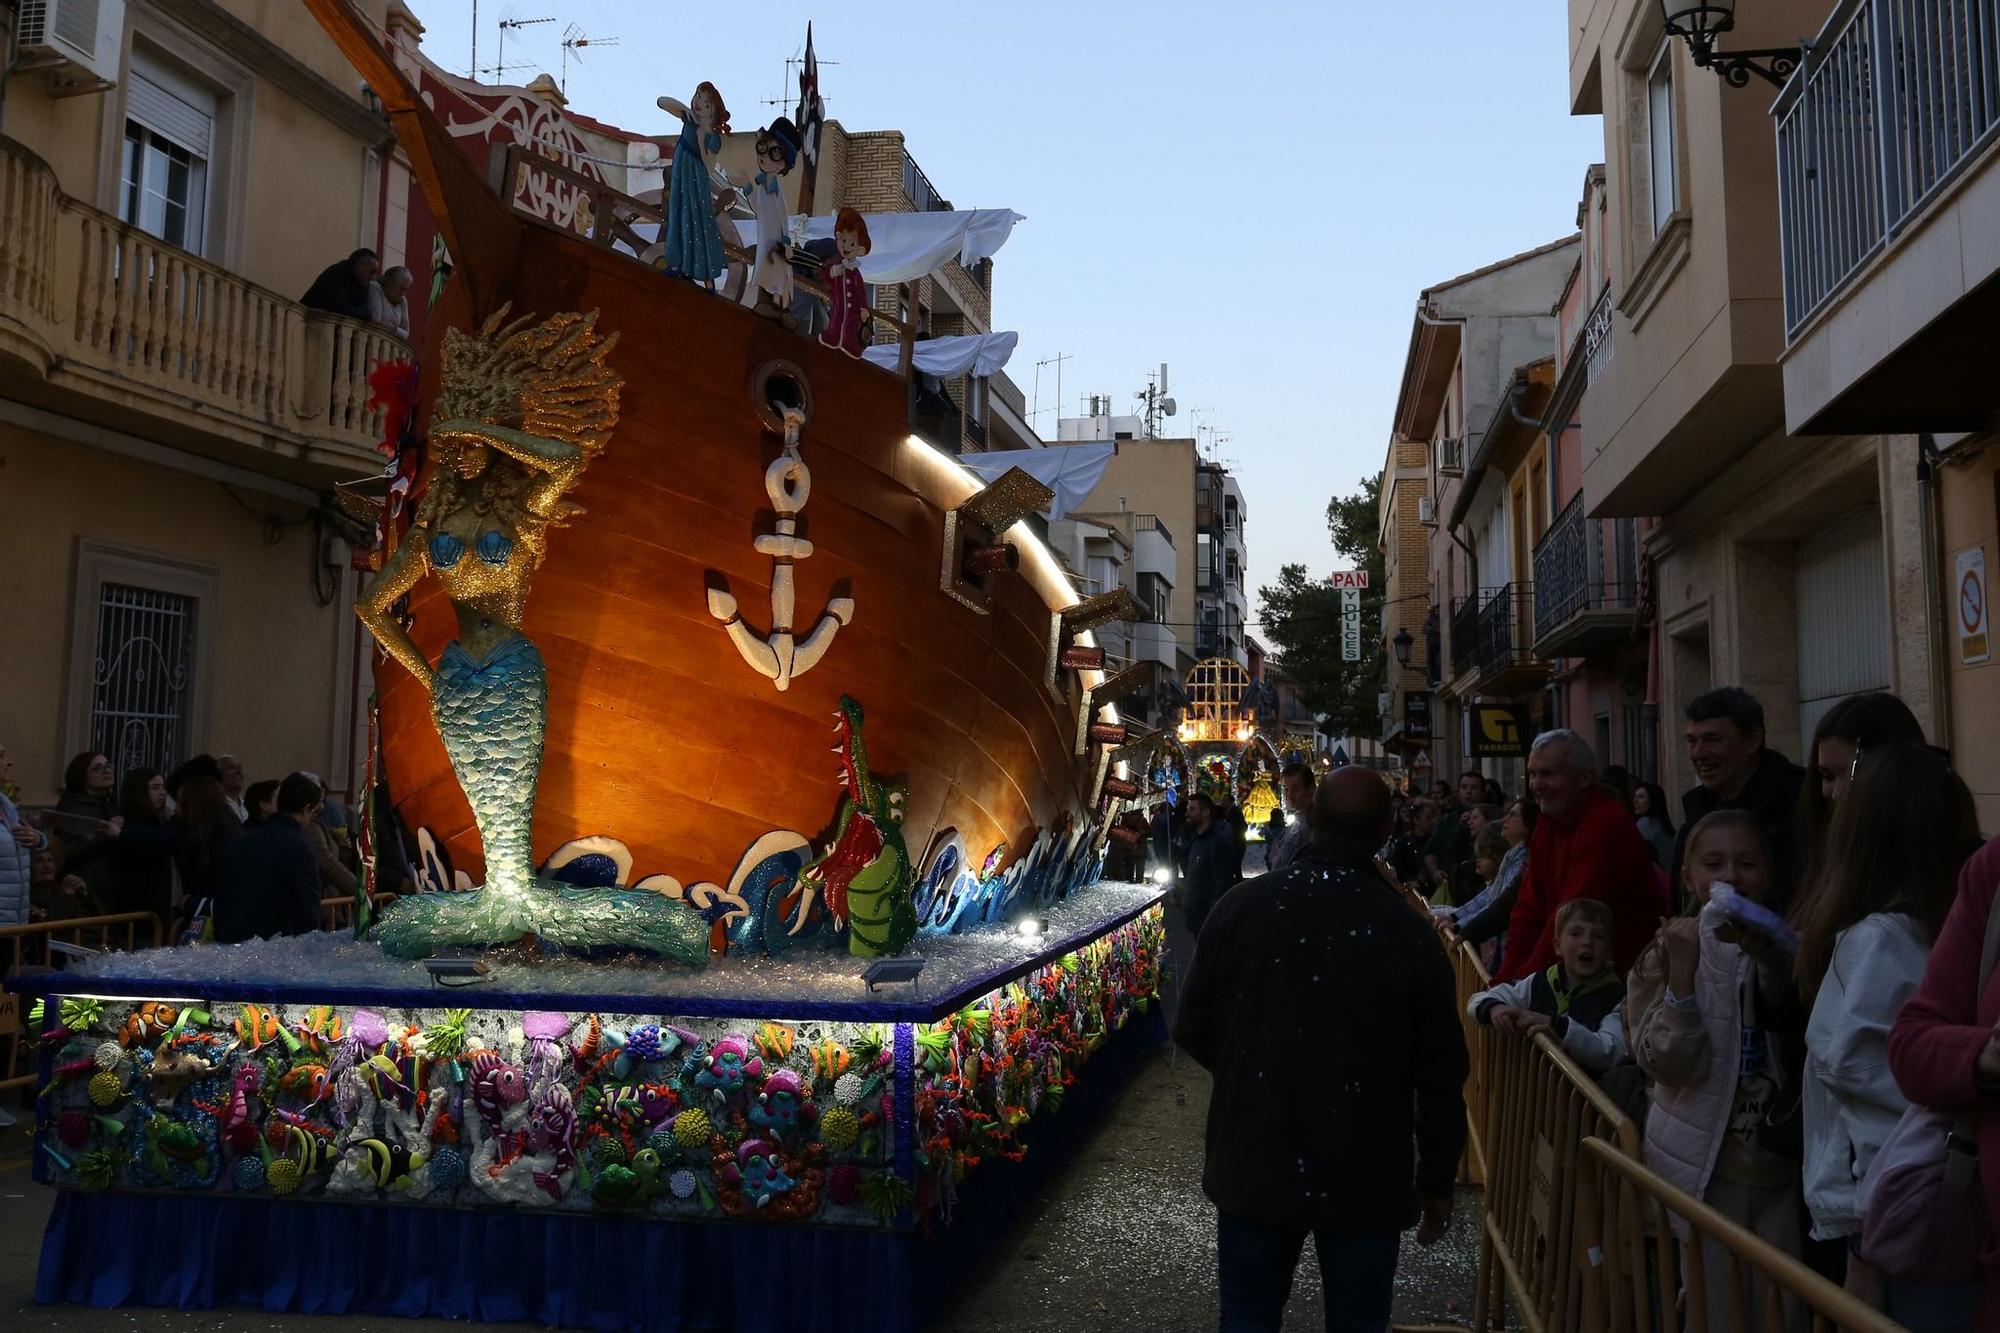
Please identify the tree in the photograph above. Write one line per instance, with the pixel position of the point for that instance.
(1301, 621)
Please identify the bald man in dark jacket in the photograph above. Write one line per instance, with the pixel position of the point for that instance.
(1325, 1009)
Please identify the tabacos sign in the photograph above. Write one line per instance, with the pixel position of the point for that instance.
(1498, 731)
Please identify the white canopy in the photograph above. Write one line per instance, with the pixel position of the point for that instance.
(947, 358)
(1070, 470)
(907, 246)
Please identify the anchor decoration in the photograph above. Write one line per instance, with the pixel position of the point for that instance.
(779, 655)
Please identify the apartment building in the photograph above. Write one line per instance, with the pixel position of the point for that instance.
(1885, 147)
(172, 421)
(1785, 562)
(1147, 497)
(1221, 564)
(1592, 609)
(1404, 519)
(1468, 337)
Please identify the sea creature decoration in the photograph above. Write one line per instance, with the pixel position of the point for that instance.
(497, 1087)
(725, 1069)
(388, 1165)
(864, 873)
(782, 1106)
(312, 1153)
(148, 1022)
(778, 655)
(552, 1125)
(522, 408)
(242, 1093)
(758, 1172)
(630, 1186)
(308, 1082)
(173, 1071)
(543, 1032)
(647, 1044)
(255, 1026)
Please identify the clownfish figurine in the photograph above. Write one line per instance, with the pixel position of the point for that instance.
(389, 1164)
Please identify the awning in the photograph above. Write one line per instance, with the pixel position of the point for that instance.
(947, 358)
(1070, 470)
(907, 246)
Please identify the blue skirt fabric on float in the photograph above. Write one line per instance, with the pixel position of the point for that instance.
(692, 242)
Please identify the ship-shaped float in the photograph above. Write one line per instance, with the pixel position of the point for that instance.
(720, 593)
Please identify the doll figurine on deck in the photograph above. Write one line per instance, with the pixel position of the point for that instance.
(845, 288)
(692, 242)
(770, 287)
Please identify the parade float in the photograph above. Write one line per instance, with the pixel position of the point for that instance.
(1220, 746)
(764, 766)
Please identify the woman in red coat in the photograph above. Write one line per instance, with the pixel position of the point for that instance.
(1945, 1049)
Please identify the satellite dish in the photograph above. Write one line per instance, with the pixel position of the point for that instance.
(1169, 406)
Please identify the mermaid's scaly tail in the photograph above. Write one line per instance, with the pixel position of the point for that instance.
(492, 716)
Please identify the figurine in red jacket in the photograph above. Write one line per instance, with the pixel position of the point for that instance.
(1586, 845)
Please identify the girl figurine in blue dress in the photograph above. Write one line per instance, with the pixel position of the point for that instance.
(692, 243)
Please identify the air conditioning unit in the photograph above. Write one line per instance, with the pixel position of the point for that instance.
(73, 36)
(1427, 510)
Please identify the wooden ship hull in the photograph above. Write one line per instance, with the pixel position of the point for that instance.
(659, 733)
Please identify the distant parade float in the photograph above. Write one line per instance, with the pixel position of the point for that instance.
(754, 915)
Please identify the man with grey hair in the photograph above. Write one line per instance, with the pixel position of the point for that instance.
(389, 301)
(1585, 845)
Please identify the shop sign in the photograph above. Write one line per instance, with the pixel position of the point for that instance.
(1350, 624)
(1498, 731)
(1417, 715)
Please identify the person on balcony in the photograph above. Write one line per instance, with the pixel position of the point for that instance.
(1735, 770)
(342, 288)
(1585, 845)
(1324, 955)
(389, 301)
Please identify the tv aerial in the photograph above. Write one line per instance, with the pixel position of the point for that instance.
(575, 39)
(1155, 405)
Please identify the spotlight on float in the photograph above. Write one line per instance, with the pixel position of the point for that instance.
(450, 972)
(1032, 928)
(891, 971)
(1163, 876)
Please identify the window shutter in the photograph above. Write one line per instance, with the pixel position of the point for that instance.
(170, 115)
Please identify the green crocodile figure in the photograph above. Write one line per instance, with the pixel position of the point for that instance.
(864, 874)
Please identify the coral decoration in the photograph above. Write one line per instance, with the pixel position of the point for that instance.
(392, 387)
(777, 1123)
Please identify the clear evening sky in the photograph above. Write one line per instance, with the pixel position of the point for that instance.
(1251, 192)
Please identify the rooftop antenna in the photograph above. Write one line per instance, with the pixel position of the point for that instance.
(1155, 403)
(1036, 410)
(574, 40)
(500, 66)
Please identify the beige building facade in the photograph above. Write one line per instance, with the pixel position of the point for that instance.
(1787, 564)
(172, 422)
(1888, 248)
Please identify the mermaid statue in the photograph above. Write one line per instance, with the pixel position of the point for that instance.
(521, 409)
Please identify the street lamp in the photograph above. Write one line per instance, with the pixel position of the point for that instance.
(1700, 22)
(1403, 642)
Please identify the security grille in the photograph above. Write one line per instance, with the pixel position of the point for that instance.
(139, 685)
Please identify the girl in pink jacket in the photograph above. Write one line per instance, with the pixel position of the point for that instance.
(1692, 1010)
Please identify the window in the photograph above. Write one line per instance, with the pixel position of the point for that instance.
(140, 687)
(169, 130)
(1660, 136)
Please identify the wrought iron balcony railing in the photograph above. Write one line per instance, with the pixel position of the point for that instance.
(1894, 99)
(1574, 578)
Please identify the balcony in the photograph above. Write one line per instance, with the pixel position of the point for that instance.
(1492, 642)
(1153, 642)
(1581, 607)
(120, 329)
(1890, 269)
(1153, 547)
(936, 419)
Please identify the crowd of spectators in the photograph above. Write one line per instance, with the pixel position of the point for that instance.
(208, 853)
(1776, 979)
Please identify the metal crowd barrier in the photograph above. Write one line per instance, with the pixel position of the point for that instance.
(1622, 1216)
(27, 946)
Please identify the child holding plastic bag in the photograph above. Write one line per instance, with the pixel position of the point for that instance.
(1724, 1113)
